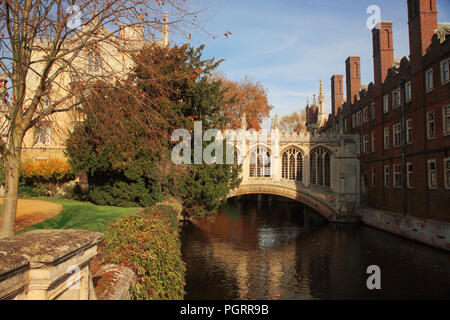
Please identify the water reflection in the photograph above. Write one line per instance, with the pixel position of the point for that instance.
(279, 250)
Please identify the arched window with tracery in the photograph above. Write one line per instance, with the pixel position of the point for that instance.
(292, 164)
(320, 167)
(260, 163)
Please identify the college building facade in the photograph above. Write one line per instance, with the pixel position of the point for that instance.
(403, 118)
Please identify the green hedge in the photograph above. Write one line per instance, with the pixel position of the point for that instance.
(149, 244)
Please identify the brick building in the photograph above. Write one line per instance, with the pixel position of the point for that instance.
(403, 118)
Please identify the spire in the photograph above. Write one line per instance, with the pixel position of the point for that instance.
(314, 99)
(165, 30)
(321, 95)
(307, 101)
(321, 98)
(244, 122)
(275, 122)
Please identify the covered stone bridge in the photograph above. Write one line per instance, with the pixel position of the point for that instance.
(318, 170)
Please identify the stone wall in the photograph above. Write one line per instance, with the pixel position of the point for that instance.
(48, 265)
(431, 232)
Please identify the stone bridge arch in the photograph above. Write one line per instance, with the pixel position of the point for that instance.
(327, 211)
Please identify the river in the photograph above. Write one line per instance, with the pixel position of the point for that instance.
(283, 250)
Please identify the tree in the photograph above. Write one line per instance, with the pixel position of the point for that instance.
(45, 45)
(247, 97)
(294, 122)
(127, 158)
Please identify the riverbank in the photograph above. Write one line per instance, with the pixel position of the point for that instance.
(431, 232)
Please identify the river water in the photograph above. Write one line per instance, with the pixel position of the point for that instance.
(282, 250)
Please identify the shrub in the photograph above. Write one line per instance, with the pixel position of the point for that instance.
(41, 178)
(54, 170)
(27, 190)
(149, 244)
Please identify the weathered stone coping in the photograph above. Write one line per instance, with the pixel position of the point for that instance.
(35, 264)
(48, 246)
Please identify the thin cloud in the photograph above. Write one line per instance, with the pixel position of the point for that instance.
(287, 45)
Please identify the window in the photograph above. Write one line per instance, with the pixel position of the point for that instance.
(93, 62)
(397, 175)
(430, 125)
(409, 174)
(366, 114)
(445, 71)
(409, 131)
(386, 138)
(447, 172)
(432, 179)
(429, 80)
(366, 144)
(386, 176)
(446, 120)
(353, 121)
(358, 119)
(45, 134)
(408, 91)
(46, 101)
(373, 177)
(386, 103)
(396, 135)
(292, 165)
(260, 162)
(372, 113)
(373, 141)
(396, 98)
(320, 167)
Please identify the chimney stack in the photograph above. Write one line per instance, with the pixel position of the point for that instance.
(383, 52)
(337, 93)
(165, 31)
(422, 20)
(353, 77)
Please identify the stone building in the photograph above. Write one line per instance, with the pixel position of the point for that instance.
(403, 119)
(109, 57)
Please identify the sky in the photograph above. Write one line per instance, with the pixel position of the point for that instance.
(289, 45)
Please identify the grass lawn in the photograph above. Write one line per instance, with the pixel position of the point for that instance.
(81, 215)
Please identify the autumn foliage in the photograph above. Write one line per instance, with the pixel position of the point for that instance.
(52, 170)
(294, 122)
(247, 97)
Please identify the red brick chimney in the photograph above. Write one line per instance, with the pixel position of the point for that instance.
(383, 52)
(337, 93)
(422, 20)
(352, 77)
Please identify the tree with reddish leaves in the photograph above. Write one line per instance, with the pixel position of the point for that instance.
(294, 122)
(247, 97)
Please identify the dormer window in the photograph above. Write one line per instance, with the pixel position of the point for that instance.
(408, 91)
(396, 98)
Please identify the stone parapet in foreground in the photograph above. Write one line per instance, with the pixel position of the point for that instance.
(48, 265)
